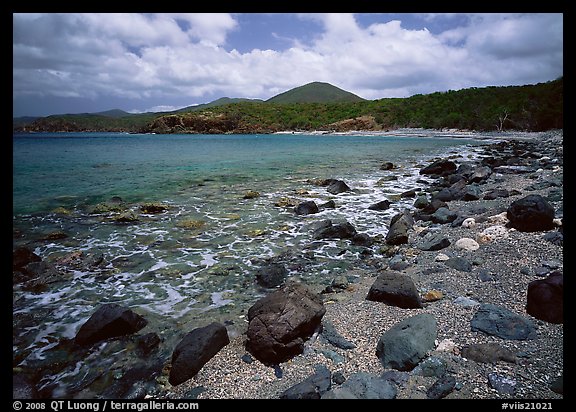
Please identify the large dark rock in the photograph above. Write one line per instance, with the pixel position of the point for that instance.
(459, 264)
(195, 349)
(440, 167)
(306, 208)
(443, 215)
(545, 298)
(312, 387)
(362, 385)
(407, 342)
(488, 353)
(337, 186)
(109, 321)
(382, 205)
(498, 321)
(532, 213)
(399, 226)
(271, 275)
(329, 230)
(395, 289)
(281, 322)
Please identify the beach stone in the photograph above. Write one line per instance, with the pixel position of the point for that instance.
(466, 302)
(492, 233)
(431, 366)
(395, 289)
(331, 335)
(195, 350)
(433, 241)
(421, 202)
(466, 243)
(387, 166)
(340, 282)
(496, 193)
(362, 239)
(443, 215)
(337, 186)
(469, 223)
(545, 299)
(271, 275)
(399, 226)
(440, 167)
(502, 384)
(313, 387)
(362, 385)
(481, 173)
(432, 295)
(126, 217)
(470, 193)
(328, 205)
(498, 321)
(441, 257)
(109, 321)
(556, 238)
(408, 193)
(488, 353)
(281, 322)
(342, 230)
(442, 387)
(500, 219)
(532, 213)
(406, 343)
(382, 205)
(306, 208)
(459, 264)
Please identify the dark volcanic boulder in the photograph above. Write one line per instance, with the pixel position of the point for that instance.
(498, 321)
(109, 321)
(195, 349)
(395, 289)
(337, 186)
(406, 343)
(281, 322)
(440, 167)
(399, 226)
(329, 230)
(271, 275)
(306, 208)
(312, 387)
(545, 299)
(433, 241)
(532, 213)
(382, 205)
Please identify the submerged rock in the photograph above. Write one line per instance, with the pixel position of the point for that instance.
(109, 321)
(306, 208)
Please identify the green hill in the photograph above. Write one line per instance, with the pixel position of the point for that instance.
(218, 102)
(315, 92)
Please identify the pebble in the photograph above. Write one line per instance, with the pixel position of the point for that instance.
(466, 243)
(469, 223)
(441, 257)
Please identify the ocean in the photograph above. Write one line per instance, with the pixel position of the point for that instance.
(195, 262)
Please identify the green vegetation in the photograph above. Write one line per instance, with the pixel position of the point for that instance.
(531, 108)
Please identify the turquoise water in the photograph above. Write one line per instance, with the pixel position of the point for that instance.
(196, 262)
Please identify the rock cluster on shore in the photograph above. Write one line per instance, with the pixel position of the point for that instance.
(465, 302)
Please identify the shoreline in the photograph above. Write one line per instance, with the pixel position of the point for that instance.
(501, 271)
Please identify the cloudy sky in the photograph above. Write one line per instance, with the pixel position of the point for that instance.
(71, 63)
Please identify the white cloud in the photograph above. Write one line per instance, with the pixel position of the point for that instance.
(160, 56)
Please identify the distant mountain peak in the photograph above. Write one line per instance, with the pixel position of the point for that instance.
(315, 92)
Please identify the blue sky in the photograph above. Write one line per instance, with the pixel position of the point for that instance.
(74, 63)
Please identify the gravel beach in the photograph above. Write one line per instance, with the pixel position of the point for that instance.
(499, 273)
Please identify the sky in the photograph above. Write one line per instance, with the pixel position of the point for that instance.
(91, 62)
